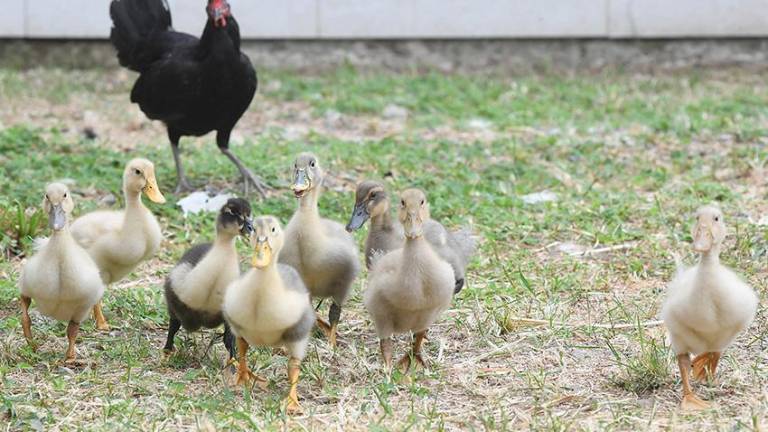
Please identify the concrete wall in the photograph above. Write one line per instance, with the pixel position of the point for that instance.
(416, 19)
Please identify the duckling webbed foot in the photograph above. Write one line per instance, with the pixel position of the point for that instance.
(334, 314)
(418, 340)
(692, 403)
(248, 379)
(705, 366)
(244, 376)
(26, 321)
(328, 330)
(98, 315)
(174, 325)
(405, 363)
(386, 352)
(70, 357)
(292, 400)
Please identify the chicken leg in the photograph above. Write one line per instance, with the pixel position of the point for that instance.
(222, 139)
(182, 184)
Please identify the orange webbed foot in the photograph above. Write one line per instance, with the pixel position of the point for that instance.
(405, 363)
(704, 366)
(292, 406)
(692, 403)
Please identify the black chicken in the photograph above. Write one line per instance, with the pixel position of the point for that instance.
(192, 85)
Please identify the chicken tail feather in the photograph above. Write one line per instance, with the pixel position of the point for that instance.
(133, 24)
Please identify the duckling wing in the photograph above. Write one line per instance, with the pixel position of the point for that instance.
(195, 254)
(178, 276)
(291, 278)
(454, 247)
(337, 232)
(463, 243)
(88, 228)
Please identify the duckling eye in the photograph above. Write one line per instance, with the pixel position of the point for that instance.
(717, 218)
(273, 230)
(373, 195)
(65, 195)
(312, 164)
(137, 171)
(422, 202)
(402, 203)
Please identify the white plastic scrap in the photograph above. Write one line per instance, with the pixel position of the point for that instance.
(200, 201)
(539, 197)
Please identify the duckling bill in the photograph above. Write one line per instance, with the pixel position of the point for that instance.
(194, 289)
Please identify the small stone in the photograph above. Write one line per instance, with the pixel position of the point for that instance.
(333, 118)
(65, 370)
(394, 112)
(236, 139)
(68, 182)
(293, 133)
(108, 200)
(479, 124)
(89, 133)
(90, 118)
(273, 86)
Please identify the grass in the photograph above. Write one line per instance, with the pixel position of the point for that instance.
(628, 156)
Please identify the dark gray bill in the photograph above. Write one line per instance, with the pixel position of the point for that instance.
(247, 227)
(359, 216)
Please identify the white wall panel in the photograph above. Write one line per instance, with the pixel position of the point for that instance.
(393, 19)
(688, 18)
(12, 18)
(67, 18)
(462, 18)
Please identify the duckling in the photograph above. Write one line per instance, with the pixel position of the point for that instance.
(119, 240)
(408, 288)
(270, 306)
(372, 201)
(61, 277)
(194, 289)
(323, 253)
(707, 305)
